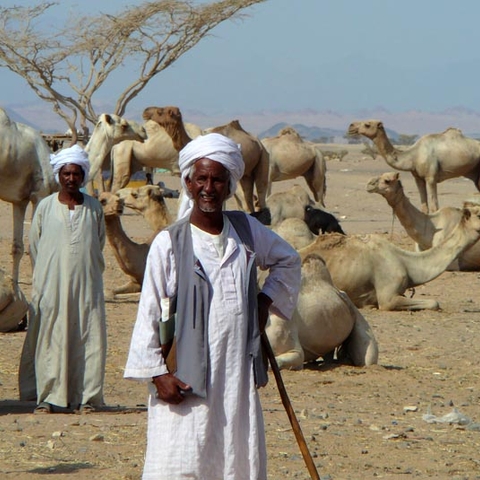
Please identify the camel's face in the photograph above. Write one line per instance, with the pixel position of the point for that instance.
(163, 115)
(111, 203)
(367, 128)
(471, 215)
(384, 184)
(118, 129)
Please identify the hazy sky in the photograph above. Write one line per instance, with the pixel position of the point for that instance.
(341, 55)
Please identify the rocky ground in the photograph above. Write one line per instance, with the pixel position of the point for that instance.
(359, 423)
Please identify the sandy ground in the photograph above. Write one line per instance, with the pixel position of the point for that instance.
(359, 423)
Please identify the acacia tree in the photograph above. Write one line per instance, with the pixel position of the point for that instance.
(67, 67)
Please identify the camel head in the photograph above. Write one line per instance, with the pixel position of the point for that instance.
(385, 184)
(471, 216)
(112, 204)
(138, 198)
(170, 118)
(116, 129)
(367, 128)
(163, 115)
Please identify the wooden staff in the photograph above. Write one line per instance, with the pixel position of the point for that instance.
(312, 469)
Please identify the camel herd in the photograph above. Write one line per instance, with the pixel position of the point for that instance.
(341, 273)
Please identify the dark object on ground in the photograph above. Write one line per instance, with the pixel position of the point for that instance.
(168, 192)
(263, 216)
(317, 220)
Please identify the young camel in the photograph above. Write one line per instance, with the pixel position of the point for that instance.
(427, 229)
(373, 271)
(324, 321)
(131, 256)
(13, 305)
(432, 159)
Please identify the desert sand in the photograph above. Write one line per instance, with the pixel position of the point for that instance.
(359, 423)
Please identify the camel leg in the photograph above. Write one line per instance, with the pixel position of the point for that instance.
(132, 286)
(121, 171)
(316, 182)
(432, 195)
(422, 190)
(247, 187)
(260, 174)
(401, 303)
(19, 210)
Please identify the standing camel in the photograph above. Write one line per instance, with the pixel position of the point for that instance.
(25, 176)
(291, 157)
(256, 161)
(109, 130)
(432, 159)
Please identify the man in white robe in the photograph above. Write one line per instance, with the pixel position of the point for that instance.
(63, 358)
(221, 436)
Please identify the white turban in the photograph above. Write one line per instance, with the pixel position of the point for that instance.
(215, 147)
(75, 155)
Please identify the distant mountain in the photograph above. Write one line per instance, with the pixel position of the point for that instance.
(311, 124)
(317, 134)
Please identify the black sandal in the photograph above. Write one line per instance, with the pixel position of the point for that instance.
(43, 408)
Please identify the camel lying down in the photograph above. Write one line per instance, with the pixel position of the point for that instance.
(373, 271)
(324, 321)
(13, 305)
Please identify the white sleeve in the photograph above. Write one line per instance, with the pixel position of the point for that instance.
(145, 358)
(283, 263)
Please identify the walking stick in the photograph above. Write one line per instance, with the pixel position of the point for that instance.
(312, 469)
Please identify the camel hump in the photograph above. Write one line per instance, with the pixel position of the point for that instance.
(288, 131)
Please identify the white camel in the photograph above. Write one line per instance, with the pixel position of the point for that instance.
(325, 321)
(109, 130)
(432, 159)
(373, 271)
(25, 176)
(426, 229)
(291, 157)
(13, 305)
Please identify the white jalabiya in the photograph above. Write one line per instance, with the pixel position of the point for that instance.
(220, 437)
(63, 358)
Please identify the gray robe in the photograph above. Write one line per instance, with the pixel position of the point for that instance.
(63, 358)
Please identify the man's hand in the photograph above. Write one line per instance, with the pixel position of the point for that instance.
(170, 389)
(264, 302)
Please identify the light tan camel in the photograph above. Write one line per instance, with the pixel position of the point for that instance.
(109, 130)
(291, 157)
(131, 256)
(426, 229)
(325, 321)
(373, 271)
(295, 231)
(13, 305)
(25, 176)
(256, 165)
(166, 136)
(149, 201)
(288, 204)
(432, 159)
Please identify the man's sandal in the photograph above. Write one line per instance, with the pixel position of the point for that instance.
(42, 408)
(86, 408)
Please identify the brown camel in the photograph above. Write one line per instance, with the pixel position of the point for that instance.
(256, 165)
(373, 271)
(25, 176)
(131, 256)
(291, 157)
(427, 229)
(432, 159)
(13, 305)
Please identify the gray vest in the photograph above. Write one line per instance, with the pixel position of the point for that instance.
(191, 309)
